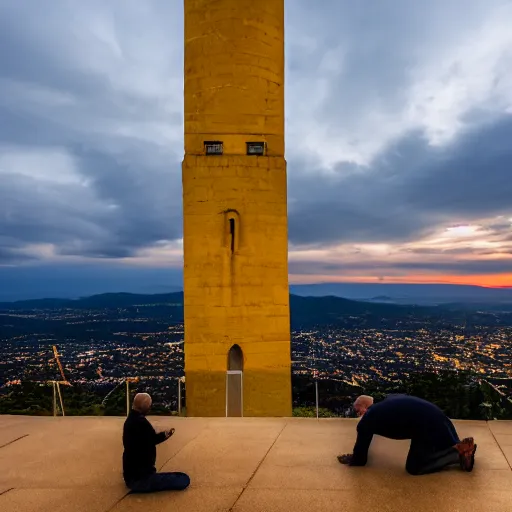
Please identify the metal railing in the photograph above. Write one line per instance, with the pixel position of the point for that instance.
(179, 383)
(460, 396)
(465, 398)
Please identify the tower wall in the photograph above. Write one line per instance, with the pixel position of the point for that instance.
(235, 206)
(234, 74)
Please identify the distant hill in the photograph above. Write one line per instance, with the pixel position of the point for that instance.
(306, 312)
(311, 311)
(381, 298)
(102, 301)
(427, 294)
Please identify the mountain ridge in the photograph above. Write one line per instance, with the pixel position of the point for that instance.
(305, 312)
(407, 293)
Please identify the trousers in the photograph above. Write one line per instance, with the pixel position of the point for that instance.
(427, 455)
(424, 459)
(161, 482)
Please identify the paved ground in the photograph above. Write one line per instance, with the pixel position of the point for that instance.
(73, 465)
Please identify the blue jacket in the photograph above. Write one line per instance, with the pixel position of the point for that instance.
(403, 417)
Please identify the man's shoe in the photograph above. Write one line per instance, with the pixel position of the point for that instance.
(467, 459)
(465, 446)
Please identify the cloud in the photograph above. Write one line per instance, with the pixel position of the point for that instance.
(89, 152)
(409, 191)
(466, 253)
(399, 121)
(85, 203)
(377, 268)
(363, 75)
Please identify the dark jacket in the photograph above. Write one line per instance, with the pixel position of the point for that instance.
(139, 441)
(403, 417)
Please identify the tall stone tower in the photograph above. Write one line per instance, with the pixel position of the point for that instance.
(237, 322)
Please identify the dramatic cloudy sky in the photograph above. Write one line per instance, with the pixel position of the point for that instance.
(399, 140)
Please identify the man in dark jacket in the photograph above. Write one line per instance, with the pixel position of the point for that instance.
(434, 440)
(139, 457)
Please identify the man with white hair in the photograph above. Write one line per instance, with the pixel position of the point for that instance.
(434, 440)
(139, 457)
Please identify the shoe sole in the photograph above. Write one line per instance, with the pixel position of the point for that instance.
(468, 463)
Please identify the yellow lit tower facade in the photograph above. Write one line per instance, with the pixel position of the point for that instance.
(237, 321)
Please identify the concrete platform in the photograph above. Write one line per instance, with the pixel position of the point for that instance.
(257, 465)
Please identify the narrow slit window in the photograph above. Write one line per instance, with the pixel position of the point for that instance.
(232, 234)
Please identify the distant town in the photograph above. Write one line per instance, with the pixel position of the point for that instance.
(109, 338)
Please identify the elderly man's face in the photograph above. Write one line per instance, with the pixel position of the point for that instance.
(360, 408)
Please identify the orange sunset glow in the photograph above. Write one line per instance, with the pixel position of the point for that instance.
(489, 281)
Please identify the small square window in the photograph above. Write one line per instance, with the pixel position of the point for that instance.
(214, 147)
(255, 148)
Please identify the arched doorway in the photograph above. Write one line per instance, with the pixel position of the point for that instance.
(234, 382)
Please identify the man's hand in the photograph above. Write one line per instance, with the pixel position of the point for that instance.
(345, 459)
(169, 433)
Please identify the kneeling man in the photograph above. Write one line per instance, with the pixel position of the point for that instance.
(434, 440)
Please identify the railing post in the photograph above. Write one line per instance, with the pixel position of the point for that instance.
(316, 393)
(179, 396)
(54, 386)
(60, 399)
(127, 397)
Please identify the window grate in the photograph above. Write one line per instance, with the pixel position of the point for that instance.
(215, 147)
(256, 148)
